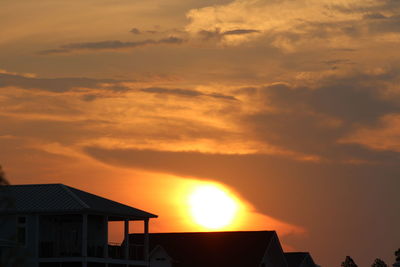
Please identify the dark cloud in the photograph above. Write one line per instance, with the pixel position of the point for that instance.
(217, 34)
(385, 25)
(53, 51)
(119, 44)
(374, 16)
(185, 92)
(313, 120)
(379, 6)
(135, 31)
(57, 84)
(338, 62)
(240, 32)
(112, 45)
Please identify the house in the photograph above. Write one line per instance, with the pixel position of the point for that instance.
(56, 225)
(299, 259)
(214, 249)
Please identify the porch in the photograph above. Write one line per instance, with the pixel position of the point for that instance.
(83, 240)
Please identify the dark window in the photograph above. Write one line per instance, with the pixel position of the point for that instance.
(21, 230)
(22, 220)
(21, 235)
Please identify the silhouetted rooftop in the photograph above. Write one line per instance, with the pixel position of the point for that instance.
(212, 249)
(297, 259)
(59, 198)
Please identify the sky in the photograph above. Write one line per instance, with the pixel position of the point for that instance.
(292, 107)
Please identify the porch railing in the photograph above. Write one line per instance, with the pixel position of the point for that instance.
(115, 251)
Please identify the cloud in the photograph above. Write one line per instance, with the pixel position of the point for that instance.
(379, 25)
(185, 92)
(41, 130)
(58, 85)
(384, 136)
(111, 45)
(219, 35)
(286, 24)
(374, 16)
(135, 31)
(240, 32)
(312, 119)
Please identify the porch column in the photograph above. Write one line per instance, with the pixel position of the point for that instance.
(84, 239)
(37, 238)
(126, 238)
(146, 240)
(105, 237)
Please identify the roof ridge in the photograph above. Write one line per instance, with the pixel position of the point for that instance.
(73, 195)
(72, 189)
(216, 232)
(14, 185)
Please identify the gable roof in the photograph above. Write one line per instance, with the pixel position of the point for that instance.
(211, 249)
(59, 198)
(297, 259)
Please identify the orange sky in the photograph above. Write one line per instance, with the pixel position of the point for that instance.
(291, 106)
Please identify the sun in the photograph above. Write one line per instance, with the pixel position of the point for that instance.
(212, 207)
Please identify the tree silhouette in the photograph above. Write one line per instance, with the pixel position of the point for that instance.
(349, 262)
(379, 263)
(3, 180)
(397, 254)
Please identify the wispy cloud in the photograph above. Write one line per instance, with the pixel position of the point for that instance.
(185, 92)
(111, 45)
(58, 84)
(288, 23)
(240, 32)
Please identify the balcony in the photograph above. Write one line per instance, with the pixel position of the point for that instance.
(115, 251)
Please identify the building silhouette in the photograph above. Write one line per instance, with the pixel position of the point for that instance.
(220, 249)
(57, 225)
(54, 225)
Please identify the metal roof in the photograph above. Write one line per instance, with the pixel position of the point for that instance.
(59, 198)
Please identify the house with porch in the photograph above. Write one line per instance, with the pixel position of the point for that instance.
(46, 225)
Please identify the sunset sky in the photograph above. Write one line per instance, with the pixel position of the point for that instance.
(291, 107)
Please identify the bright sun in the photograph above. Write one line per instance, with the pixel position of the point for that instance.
(211, 207)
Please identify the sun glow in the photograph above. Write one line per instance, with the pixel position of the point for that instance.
(212, 207)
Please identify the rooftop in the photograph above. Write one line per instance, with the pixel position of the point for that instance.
(60, 198)
(297, 259)
(212, 249)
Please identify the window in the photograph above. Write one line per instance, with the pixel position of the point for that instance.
(21, 230)
(21, 220)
